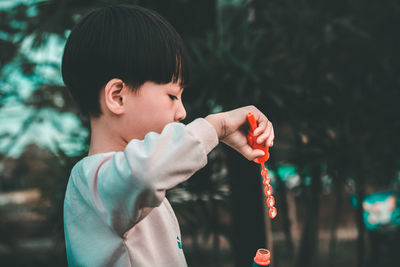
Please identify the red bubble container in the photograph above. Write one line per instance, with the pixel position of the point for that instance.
(262, 258)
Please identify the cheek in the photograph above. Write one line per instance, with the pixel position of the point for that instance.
(155, 114)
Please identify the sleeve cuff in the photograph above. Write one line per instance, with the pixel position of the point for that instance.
(205, 132)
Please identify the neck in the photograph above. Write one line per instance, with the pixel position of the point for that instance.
(104, 138)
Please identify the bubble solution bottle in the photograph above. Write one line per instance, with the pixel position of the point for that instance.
(262, 258)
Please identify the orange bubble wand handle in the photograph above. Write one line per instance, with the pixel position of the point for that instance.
(252, 121)
(252, 139)
(264, 171)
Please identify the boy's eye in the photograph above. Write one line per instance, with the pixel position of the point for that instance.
(173, 97)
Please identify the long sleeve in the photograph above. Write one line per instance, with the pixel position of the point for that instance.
(125, 186)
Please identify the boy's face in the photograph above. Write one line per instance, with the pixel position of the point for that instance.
(151, 108)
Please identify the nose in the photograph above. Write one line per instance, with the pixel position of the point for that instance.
(180, 113)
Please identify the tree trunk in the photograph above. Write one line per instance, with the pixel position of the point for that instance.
(360, 222)
(309, 237)
(284, 209)
(337, 186)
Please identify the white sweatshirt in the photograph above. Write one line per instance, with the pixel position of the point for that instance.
(115, 210)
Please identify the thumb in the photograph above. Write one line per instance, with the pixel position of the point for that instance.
(250, 153)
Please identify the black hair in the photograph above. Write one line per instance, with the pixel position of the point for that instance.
(131, 43)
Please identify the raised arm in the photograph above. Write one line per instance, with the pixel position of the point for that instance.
(130, 183)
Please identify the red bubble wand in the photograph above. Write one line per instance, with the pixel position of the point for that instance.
(252, 142)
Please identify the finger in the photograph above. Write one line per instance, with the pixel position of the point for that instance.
(261, 139)
(261, 126)
(266, 138)
(250, 153)
(270, 135)
(270, 140)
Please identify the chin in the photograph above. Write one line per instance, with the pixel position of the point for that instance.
(161, 127)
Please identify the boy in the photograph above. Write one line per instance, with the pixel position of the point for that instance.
(126, 67)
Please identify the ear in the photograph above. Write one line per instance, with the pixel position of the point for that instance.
(114, 96)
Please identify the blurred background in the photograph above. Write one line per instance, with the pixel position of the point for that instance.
(326, 73)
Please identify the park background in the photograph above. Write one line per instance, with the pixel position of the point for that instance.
(326, 73)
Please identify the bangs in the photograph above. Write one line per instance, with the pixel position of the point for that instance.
(151, 49)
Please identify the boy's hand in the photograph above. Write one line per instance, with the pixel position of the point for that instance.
(232, 129)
